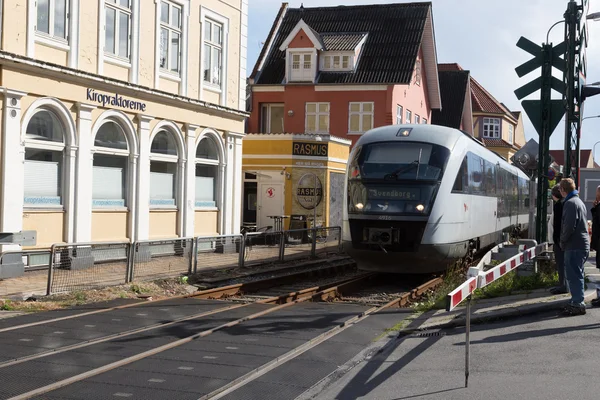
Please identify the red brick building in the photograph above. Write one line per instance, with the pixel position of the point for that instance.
(344, 70)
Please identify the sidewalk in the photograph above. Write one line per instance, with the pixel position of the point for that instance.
(537, 356)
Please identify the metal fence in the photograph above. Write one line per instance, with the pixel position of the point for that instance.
(216, 252)
(155, 259)
(83, 266)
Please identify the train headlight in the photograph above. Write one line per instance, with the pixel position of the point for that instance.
(420, 207)
(359, 206)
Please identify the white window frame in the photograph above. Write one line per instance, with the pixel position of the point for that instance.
(55, 147)
(408, 116)
(266, 107)
(361, 114)
(69, 44)
(491, 128)
(511, 134)
(329, 56)
(399, 114)
(317, 113)
(417, 119)
(289, 53)
(171, 159)
(424, 121)
(126, 154)
(43, 36)
(170, 30)
(114, 58)
(218, 179)
(205, 14)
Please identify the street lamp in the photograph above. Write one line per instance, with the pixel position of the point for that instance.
(594, 16)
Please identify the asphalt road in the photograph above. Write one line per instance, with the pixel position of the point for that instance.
(540, 357)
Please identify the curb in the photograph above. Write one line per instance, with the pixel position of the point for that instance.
(509, 313)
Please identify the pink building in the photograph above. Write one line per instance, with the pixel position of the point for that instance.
(345, 70)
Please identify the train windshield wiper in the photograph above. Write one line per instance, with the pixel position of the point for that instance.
(406, 168)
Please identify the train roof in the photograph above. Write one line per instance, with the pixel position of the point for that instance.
(435, 134)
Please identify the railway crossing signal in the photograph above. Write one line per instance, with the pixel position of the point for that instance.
(545, 114)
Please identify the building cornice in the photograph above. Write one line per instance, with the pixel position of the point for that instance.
(65, 73)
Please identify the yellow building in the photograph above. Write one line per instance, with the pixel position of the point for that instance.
(123, 119)
(287, 174)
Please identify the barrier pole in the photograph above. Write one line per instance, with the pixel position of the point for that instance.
(467, 341)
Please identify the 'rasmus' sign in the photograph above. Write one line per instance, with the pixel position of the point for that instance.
(114, 100)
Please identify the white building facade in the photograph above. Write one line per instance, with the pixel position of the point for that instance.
(106, 137)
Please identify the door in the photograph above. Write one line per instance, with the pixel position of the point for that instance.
(250, 203)
(271, 202)
(336, 200)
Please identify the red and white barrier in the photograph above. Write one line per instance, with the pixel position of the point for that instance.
(460, 293)
(487, 277)
(484, 278)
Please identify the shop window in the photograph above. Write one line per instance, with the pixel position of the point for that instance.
(272, 118)
(44, 158)
(111, 160)
(207, 173)
(163, 170)
(170, 37)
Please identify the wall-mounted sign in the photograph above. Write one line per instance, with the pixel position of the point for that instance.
(114, 100)
(309, 149)
(270, 192)
(309, 191)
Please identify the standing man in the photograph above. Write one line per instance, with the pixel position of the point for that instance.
(575, 242)
(559, 254)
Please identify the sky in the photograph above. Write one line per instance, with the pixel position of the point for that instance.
(481, 36)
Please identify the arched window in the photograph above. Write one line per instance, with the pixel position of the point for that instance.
(44, 160)
(207, 173)
(163, 170)
(111, 160)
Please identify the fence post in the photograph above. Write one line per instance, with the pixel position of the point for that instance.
(313, 245)
(130, 262)
(192, 249)
(340, 249)
(195, 259)
(242, 250)
(282, 246)
(50, 271)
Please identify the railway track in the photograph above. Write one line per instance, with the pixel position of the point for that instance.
(349, 287)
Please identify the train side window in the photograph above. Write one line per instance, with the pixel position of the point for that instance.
(490, 179)
(476, 177)
(462, 178)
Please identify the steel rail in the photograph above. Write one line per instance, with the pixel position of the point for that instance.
(168, 346)
(263, 369)
(203, 294)
(119, 335)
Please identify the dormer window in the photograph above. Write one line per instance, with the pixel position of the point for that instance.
(336, 61)
(301, 68)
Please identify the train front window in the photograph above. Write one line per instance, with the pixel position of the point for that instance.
(402, 161)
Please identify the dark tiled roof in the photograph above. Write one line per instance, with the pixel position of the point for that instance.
(484, 102)
(584, 157)
(496, 142)
(453, 87)
(341, 41)
(395, 32)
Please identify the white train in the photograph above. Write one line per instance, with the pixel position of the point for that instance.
(419, 197)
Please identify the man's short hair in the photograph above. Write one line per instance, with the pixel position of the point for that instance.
(556, 192)
(567, 185)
